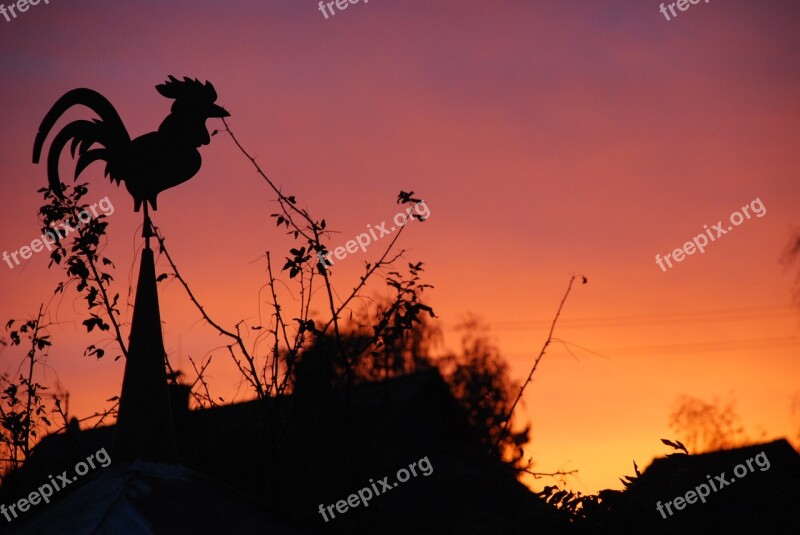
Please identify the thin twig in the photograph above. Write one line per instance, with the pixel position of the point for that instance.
(235, 336)
(557, 473)
(31, 390)
(201, 379)
(535, 365)
(106, 301)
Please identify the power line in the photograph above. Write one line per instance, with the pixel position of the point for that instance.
(736, 314)
(716, 346)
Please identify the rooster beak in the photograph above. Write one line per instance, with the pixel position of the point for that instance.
(217, 111)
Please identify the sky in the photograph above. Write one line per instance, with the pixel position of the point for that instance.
(547, 139)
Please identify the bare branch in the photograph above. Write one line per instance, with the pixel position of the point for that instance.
(535, 364)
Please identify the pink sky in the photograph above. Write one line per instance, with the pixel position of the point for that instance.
(546, 138)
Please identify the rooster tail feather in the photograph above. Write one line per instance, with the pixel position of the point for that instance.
(107, 131)
(84, 132)
(89, 157)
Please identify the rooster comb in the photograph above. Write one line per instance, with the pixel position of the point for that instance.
(188, 90)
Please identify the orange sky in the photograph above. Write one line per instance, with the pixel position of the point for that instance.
(547, 139)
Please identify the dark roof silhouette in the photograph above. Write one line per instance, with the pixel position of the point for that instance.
(144, 497)
(762, 501)
(290, 457)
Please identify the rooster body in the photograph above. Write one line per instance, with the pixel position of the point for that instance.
(147, 165)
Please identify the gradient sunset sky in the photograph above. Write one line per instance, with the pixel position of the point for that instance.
(547, 138)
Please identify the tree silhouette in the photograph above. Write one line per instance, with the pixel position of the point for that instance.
(792, 255)
(23, 410)
(704, 426)
(795, 411)
(477, 375)
(24, 404)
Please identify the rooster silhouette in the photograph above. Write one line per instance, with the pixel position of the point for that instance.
(149, 164)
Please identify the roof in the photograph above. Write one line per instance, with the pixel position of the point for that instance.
(148, 498)
(290, 456)
(762, 500)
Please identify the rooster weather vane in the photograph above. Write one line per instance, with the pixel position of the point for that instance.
(149, 164)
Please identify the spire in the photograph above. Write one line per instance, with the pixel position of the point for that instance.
(144, 425)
